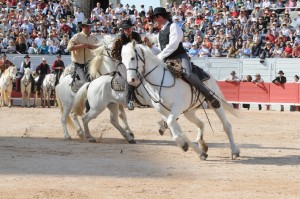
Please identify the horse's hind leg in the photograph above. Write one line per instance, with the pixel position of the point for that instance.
(9, 99)
(91, 114)
(235, 151)
(79, 130)
(191, 116)
(123, 118)
(114, 111)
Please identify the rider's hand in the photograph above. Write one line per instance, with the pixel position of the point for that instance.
(147, 42)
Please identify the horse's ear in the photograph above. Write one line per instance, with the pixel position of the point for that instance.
(133, 43)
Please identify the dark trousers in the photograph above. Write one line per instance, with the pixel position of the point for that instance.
(40, 82)
(129, 93)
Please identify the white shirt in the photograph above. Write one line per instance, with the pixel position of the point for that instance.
(79, 16)
(175, 37)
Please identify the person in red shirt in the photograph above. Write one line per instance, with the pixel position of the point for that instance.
(64, 28)
(288, 50)
(58, 67)
(270, 37)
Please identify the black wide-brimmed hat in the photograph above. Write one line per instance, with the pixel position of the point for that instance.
(87, 22)
(160, 11)
(281, 72)
(26, 56)
(126, 24)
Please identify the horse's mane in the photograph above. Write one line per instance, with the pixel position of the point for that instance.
(7, 70)
(106, 42)
(96, 62)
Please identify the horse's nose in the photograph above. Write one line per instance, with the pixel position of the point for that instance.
(132, 79)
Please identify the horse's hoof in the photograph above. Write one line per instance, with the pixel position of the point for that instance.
(131, 141)
(161, 132)
(132, 135)
(185, 147)
(81, 136)
(234, 156)
(203, 156)
(92, 140)
(68, 138)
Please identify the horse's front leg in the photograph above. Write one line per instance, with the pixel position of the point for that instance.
(48, 98)
(191, 116)
(123, 118)
(9, 98)
(181, 140)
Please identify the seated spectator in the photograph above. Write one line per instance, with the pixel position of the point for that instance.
(277, 52)
(33, 49)
(216, 51)
(21, 46)
(11, 48)
(296, 50)
(203, 51)
(186, 44)
(43, 49)
(287, 53)
(266, 52)
(53, 44)
(194, 51)
(63, 46)
(245, 51)
(5, 41)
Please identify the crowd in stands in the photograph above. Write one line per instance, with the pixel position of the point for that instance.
(228, 28)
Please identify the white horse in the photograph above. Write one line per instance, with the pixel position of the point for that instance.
(172, 97)
(6, 85)
(48, 86)
(101, 64)
(26, 87)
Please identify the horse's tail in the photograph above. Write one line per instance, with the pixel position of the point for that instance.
(69, 121)
(95, 64)
(80, 98)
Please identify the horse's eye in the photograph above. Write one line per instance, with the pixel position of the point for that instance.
(132, 58)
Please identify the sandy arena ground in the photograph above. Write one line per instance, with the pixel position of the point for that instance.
(36, 162)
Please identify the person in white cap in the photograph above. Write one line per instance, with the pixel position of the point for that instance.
(42, 70)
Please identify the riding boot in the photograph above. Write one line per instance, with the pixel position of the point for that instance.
(129, 96)
(195, 81)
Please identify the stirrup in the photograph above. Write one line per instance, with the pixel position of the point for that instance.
(130, 105)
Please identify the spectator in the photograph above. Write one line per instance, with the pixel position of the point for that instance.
(232, 77)
(247, 78)
(277, 52)
(39, 40)
(281, 79)
(257, 80)
(33, 49)
(21, 46)
(43, 49)
(216, 51)
(194, 51)
(287, 53)
(203, 51)
(11, 48)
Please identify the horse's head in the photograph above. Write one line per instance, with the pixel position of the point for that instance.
(51, 80)
(27, 71)
(133, 57)
(12, 72)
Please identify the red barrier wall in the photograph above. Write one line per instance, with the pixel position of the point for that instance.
(260, 92)
(252, 92)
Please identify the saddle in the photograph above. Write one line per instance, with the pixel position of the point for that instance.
(175, 67)
(118, 82)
